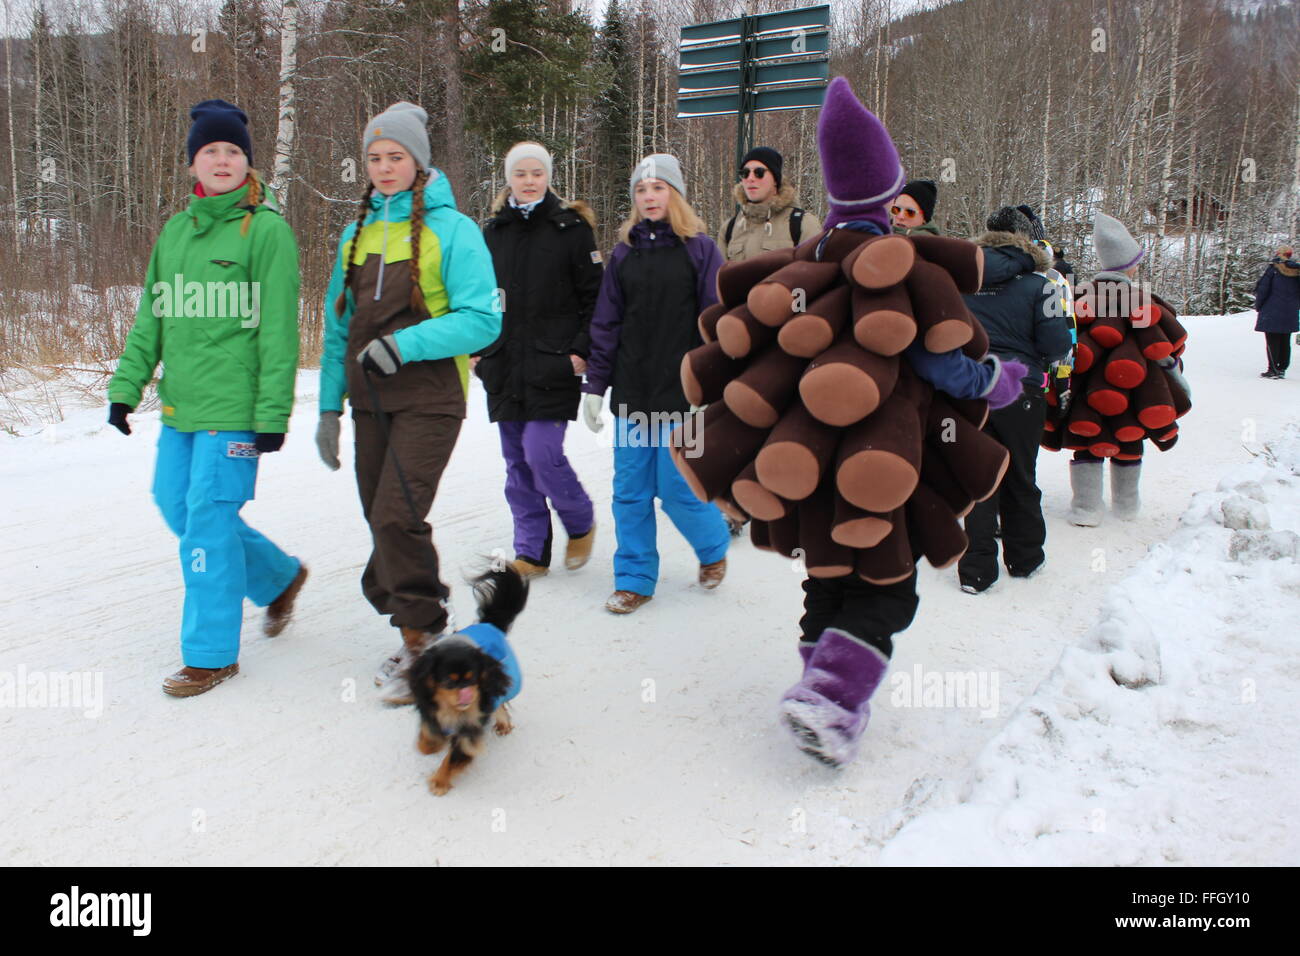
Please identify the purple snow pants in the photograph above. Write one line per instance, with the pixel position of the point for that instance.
(536, 469)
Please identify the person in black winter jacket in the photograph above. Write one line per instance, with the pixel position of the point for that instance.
(548, 275)
(1277, 300)
(1018, 308)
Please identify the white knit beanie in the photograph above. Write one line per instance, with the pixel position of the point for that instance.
(522, 151)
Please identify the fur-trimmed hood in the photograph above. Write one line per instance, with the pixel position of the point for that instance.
(762, 211)
(577, 205)
(1039, 256)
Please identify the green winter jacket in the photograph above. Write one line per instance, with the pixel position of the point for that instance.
(220, 311)
(926, 228)
(459, 288)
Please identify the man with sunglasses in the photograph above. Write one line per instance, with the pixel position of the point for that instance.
(913, 208)
(768, 218)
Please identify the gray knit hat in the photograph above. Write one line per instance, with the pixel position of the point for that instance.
(658, 166)
(403, 123)
(1116, 250)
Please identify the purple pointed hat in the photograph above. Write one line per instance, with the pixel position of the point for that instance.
(860, 165)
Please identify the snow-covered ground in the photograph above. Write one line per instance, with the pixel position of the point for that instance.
(1134, 702)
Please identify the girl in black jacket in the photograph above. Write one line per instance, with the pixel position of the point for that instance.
(548, 275)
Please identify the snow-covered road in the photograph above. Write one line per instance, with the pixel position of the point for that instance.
(645, 739)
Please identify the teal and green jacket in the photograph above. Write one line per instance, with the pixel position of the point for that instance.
(220, 312)
(457, 285)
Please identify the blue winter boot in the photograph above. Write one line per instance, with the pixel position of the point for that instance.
(828, 709)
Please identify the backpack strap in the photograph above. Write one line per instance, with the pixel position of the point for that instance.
(796, 225)
(731, 224)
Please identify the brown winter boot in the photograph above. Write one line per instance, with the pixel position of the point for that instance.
(190, 681)
(625, 602)
(711, 575)
(578, 551)
(395, 689)
(280, 611)
(527, 569)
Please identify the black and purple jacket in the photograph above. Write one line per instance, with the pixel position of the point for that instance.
(646, 317)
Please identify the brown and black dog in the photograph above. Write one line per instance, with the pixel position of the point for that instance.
(463, 680)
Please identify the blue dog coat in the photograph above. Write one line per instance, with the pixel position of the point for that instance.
(491, 640)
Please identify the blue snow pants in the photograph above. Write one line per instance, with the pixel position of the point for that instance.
(644, 470)
(201, 480)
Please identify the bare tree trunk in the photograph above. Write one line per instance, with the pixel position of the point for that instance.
(1232, 204)
(1047, 122)
(454, 130)
(36, 131)
(285, 131)
(1167, 172)
(1295, 177)
(640, 86)
(9, 100)
(1126, 200)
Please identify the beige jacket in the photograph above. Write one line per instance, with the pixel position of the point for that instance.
(763, 226)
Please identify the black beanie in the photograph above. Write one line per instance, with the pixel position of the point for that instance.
(769, 158)
(1010, 219)
(216, 121)
(1035, 224)
(925, 192)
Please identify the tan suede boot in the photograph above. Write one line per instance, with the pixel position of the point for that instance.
(578, 551)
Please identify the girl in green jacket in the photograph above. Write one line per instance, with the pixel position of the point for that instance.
(220, 311)
(413, 293)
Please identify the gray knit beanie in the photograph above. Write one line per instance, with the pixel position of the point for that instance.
(1116, 250)
(403, 123)
(658, 166)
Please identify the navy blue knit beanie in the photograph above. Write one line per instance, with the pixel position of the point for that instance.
(216, 121)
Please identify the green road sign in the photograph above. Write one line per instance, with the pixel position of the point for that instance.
(764, 101)
(806, 18)
(754, 64)
(796, 44)
(807, 71)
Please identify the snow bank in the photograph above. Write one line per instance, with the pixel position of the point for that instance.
(1168, 734)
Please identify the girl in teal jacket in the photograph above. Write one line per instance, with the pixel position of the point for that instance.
(220, 311)
(413, 293)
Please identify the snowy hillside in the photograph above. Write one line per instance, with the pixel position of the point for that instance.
(1132, 703)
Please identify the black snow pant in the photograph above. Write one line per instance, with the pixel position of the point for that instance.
(1017, 502)
(870, 612)
(1278, 345)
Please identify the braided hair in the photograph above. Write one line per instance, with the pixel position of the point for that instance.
(418, 304)
(341, 303)
(252, 201)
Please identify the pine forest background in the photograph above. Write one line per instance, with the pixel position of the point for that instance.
(1181, 117)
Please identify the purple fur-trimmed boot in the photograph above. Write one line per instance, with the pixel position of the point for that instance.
(827, 710)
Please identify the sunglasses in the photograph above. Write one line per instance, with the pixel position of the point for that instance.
(758, 172)
(899, 211)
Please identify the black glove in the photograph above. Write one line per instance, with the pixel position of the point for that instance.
(117, 413)
(266, 442)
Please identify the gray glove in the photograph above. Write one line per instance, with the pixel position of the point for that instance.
(381, 356)
(327, 439)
